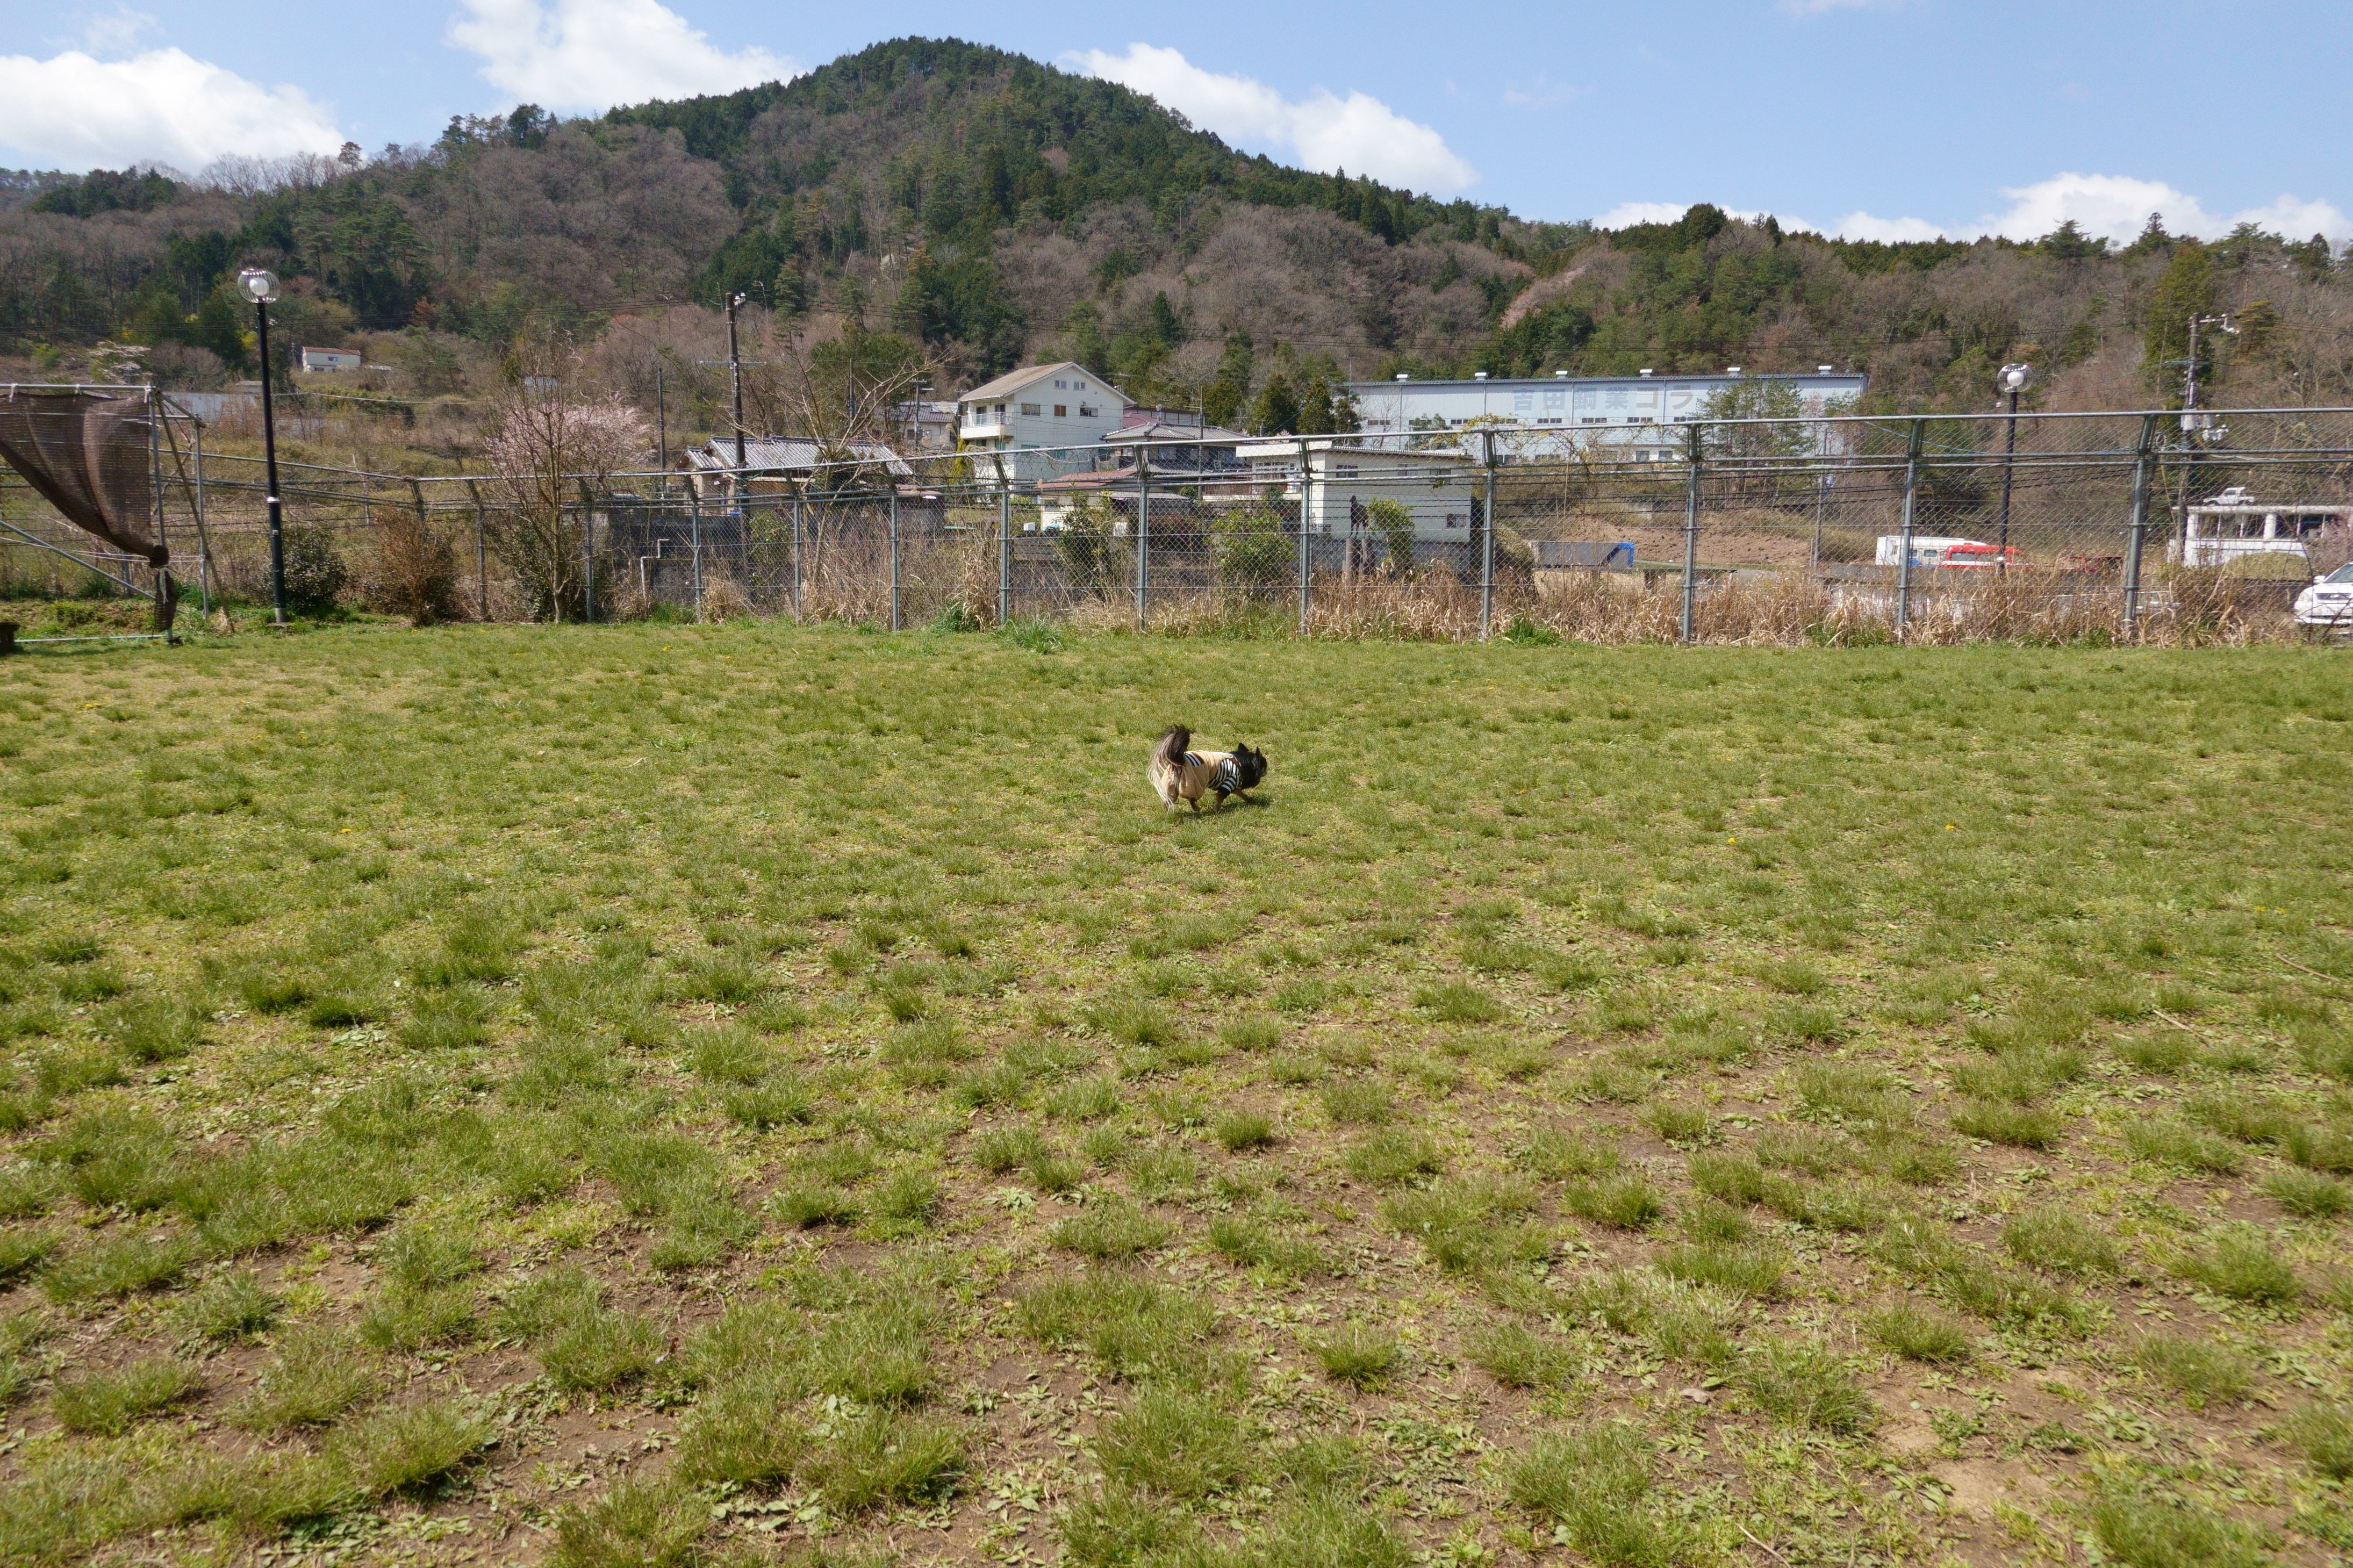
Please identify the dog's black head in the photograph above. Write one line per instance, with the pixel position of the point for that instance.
(1250, 766)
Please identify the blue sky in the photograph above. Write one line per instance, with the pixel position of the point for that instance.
(1876, 117)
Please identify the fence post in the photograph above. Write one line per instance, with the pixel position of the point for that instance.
(894, 555)
(1691, 531)
(166, 596)
(1303, 537)
(588, 553)
(797, 552)
(1486, 543)
(1903, 538)
(1143, 535)
(482, 551)
(2137, 528)
(694, 541)
(204, 539)
(1004, 542)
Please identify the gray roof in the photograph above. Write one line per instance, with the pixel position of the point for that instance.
(1163, 430)
(787, 454)
(1013, 380)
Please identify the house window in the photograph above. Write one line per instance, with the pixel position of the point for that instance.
(1346, 471)
(1088, 412)
(1078, 387)
(1061, 411)
(1029, 408)
(1061, 386)
(1456, 519)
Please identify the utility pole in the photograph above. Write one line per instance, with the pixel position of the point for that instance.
(661, 430)
(2189, 366)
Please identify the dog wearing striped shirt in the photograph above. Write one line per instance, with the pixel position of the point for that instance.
(1178, 774)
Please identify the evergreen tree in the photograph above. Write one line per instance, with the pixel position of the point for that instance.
(1315, 407)
(1277, 412)
(1223, 398)
(2185, 288)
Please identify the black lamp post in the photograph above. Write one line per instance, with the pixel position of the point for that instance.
(261, 288)
(2012, 380)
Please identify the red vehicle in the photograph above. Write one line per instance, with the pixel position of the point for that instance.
(1980, 557)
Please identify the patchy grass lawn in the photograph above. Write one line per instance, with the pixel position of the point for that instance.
(664, 1094)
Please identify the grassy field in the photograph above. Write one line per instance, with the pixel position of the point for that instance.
(662, 1094)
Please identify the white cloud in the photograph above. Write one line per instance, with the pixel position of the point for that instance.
(116, 33)
(2108, 206)
(592, 53)
(2105, 207)
(1626, 214)
(76, 111)
(1322, 131)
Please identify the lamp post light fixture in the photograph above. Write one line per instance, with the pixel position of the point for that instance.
(261, 288)
(2013, 379)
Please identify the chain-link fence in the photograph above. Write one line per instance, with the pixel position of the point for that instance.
(2127, 527)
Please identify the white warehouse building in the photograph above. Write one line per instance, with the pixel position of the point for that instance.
(1633, 411)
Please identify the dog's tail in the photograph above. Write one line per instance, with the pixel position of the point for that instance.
(1167, 758)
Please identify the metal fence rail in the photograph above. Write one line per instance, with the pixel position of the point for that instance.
(2128, 526)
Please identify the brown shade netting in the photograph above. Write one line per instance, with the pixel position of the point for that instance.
(87, 454)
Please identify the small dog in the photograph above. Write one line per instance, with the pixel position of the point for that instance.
(1178, 773)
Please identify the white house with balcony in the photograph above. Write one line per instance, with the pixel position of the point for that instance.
(1025, 413)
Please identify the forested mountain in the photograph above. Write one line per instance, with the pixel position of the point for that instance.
(991, 210)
